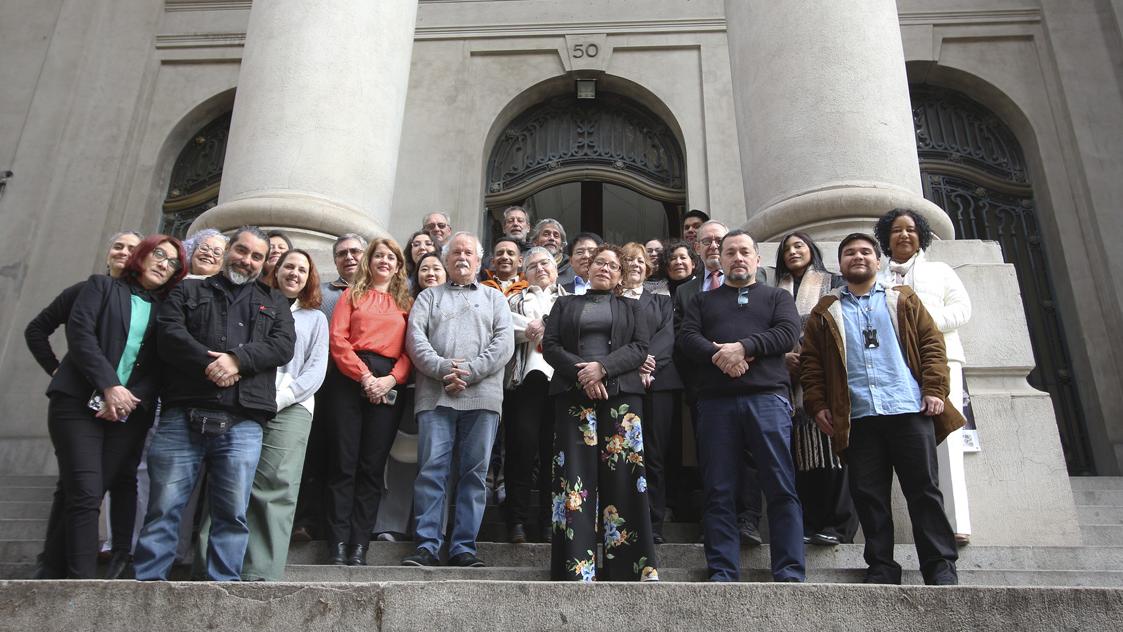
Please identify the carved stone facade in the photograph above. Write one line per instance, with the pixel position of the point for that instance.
(101, 97)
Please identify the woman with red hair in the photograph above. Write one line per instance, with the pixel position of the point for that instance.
(102, 397)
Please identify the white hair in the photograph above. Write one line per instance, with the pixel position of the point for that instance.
(479, 244)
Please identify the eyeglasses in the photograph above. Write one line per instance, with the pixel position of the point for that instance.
(604, 263)
(710, 241)
(743, 297)
(578, 252)
(209, 250)
(171, 261)
(437, 226)
(356, 253)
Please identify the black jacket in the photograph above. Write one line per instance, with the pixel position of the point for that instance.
(96, 333)
(53, 316)
(192, 321)
(629, 342)
(658, 310)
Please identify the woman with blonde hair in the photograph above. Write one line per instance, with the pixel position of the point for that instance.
(367, 344)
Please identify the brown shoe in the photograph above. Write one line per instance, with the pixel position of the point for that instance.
(301, 534)
(962, 539)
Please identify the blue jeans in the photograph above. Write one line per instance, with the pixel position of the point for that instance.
(174, 458)
(473, 432)
(763, 424)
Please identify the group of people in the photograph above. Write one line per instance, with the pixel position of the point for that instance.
(568, 358)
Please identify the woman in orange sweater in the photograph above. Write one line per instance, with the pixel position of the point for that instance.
(367, 336)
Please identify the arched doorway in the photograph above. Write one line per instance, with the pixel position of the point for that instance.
(972, 166)
(606, 165)
(196, 177)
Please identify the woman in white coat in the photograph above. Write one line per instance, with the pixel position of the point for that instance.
(528, 410)
(905, 235)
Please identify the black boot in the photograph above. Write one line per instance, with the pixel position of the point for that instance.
(337, 554)
(358, 556)
(117, 564)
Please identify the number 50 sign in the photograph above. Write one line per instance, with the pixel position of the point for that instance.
(587, 52)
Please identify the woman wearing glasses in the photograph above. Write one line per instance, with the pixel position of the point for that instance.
(596, 343)
(205, 250)
(102, 396)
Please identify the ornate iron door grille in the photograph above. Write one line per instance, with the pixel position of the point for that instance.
(973, 167)
(195, 177)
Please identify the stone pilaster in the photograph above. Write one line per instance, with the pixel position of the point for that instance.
(823, 115)
(317, 118)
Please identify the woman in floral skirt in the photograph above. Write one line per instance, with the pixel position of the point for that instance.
(596, 344)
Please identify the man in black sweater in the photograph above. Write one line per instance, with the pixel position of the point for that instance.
(736, 335)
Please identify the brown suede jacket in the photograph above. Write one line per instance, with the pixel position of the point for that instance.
(823, 360)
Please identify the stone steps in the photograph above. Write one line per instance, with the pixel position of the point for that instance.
(23, 509)
(1099, 514)
(471, 606)
(1087, 483)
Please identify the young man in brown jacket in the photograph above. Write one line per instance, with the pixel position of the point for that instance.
(874, 375)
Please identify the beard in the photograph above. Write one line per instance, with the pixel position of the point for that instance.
(238, 278)
(859, 276)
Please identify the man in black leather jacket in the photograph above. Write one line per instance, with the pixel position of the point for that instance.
(220, 340)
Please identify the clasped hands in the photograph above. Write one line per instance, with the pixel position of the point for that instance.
(730, 359)
(590, 376)
(223, 370)
(119, 403)
(457, 380)
(376, 388)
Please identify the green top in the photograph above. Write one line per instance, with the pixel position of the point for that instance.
(138, 324)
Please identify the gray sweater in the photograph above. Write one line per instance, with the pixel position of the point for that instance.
(472, 323)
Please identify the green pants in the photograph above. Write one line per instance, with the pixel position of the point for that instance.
(273, 497)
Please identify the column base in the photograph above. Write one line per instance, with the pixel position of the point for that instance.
(830, 213)
(311, 221)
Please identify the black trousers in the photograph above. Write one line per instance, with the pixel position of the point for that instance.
(311, 507)
(659, 408)
(528, 420)
(361, 438)
(880, 445)
(827, 508)
(93, 455)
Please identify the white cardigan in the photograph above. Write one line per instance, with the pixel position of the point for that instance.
(536, 304)
(942, 294)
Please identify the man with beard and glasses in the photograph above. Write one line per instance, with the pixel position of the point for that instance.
(220, 340)
(460, 339)
(875, 377)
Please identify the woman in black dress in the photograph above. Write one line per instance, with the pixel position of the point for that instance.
(596, 344)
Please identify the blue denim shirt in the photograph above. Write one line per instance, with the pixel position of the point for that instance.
(880, 382)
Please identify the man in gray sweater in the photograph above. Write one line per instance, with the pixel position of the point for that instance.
(460, 339)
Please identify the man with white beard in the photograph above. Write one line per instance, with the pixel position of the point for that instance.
(460, 339)
(220, 340)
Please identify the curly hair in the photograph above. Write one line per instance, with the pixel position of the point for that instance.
(364, 282)
(669, 248)
(884, 227)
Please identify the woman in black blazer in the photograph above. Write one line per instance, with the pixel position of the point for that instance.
(596, 344)
(103, 395)
(663, 387)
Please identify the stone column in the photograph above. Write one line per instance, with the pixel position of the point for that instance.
(823, 115)
(317, 118)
